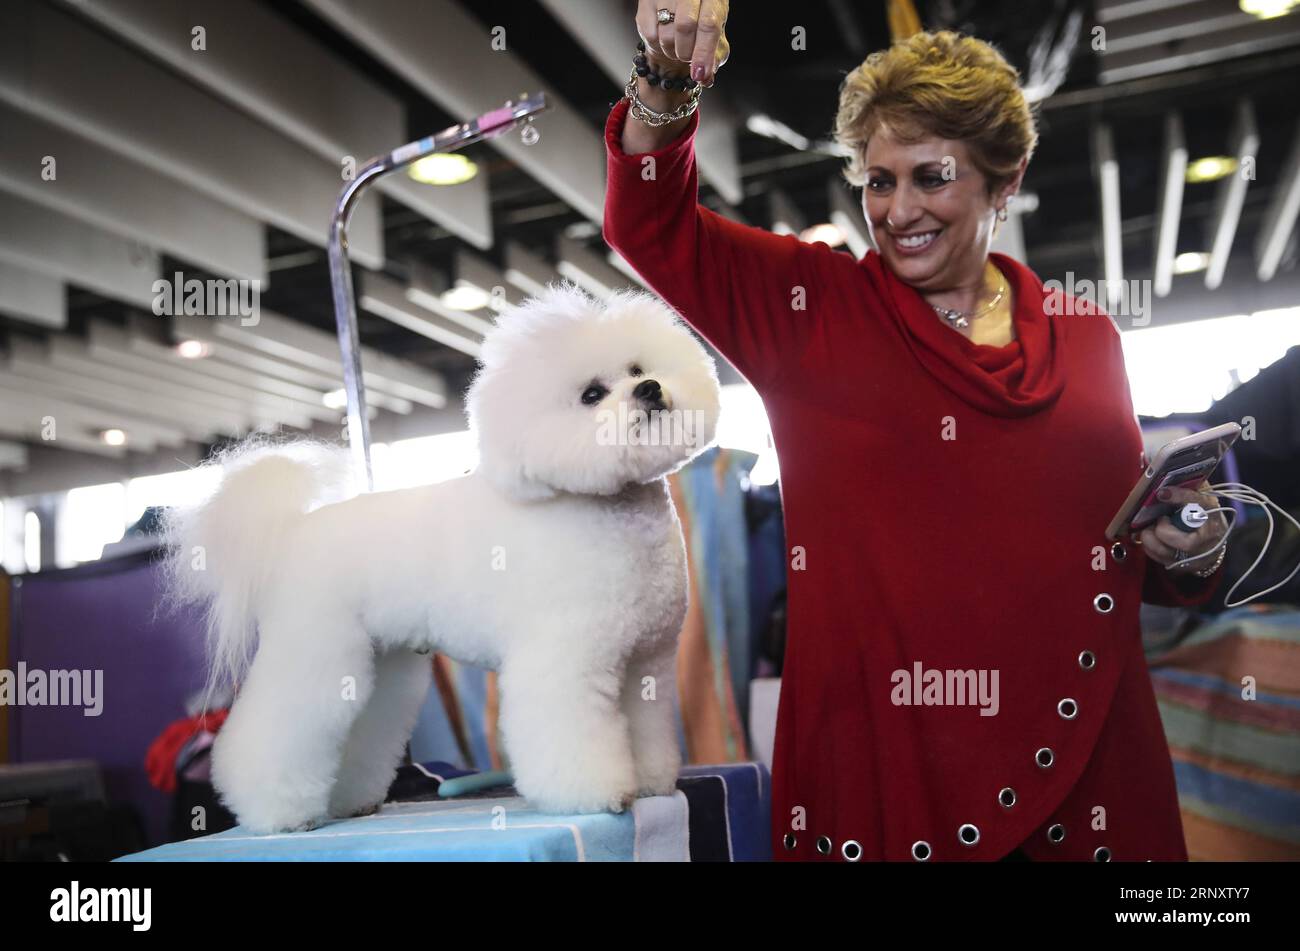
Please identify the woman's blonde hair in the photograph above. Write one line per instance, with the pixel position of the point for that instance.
(943, 84)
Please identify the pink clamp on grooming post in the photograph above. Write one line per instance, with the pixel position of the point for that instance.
(486, 126)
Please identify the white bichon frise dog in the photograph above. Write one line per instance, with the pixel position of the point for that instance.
(558, 562)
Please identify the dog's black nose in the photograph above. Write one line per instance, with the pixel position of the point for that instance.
(648, 390)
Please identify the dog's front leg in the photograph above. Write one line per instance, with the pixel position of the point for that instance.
(650, 702)
(564, 728)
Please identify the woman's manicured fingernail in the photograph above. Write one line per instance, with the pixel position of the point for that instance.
(697, 72)
(1163, 495)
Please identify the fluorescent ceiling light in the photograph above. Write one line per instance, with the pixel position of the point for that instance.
(465, 296)
(1211, 168)
(1189, 262)
(193, 349)
(443, 169)
(1267, 9)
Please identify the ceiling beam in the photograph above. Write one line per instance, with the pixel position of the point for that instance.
(1243, 143)
(49, 242)
(785, 214)
(111, 345)
(232, 354)
(16, 424)
(34, 370)
(31, 297)
(56, 66)
(1170, 204)
(846, 214)
(51, 470)
(140, 342)
(443, 51)
(114, 193)
(232, 416)
(528, 271)
(33, 403)
(13, 455)
(272, 70)
(1248, 38)
(1106, 169)
(277, 336)
(587, 268)
(1280, 218)
(387, 298)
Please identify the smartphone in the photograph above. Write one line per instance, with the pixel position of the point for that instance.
(1184, 463)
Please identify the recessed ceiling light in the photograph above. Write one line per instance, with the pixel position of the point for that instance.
(465, 296)
(113, 437)
(1267, 9)
(193, 349)
(1210, 168)
(1189, 262)
(443, 169)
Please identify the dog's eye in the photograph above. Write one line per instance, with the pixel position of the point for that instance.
(635, 370)
(593, 394)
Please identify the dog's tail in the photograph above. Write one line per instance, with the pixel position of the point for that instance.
(223, 550)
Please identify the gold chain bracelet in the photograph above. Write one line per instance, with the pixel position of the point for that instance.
(650, 117)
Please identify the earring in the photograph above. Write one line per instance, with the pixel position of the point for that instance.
(1002, 213)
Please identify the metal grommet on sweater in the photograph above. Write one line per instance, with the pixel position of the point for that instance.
(823, 845)
(789, 841)
(1045, 757)
(1056, 834)
(1104, 603)
(1087, 660)
(1101, 855)
(968, 834)
(921, 851)
(1118, 551)
(1007, 796)
(851, 851)
(1068, 709)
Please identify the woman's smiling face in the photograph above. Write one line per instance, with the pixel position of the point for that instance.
(928, 210)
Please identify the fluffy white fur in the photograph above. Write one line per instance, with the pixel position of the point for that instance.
(558, 562)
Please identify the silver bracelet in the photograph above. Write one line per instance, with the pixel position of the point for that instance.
(640, 110)
(1204, 572)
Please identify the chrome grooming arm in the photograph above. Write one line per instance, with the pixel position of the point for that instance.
(486, 126)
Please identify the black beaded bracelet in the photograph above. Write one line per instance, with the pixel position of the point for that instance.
(643, 69)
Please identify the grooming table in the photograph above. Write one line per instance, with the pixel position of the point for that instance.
(719, 813)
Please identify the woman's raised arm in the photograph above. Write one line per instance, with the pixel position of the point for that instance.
(746, 290)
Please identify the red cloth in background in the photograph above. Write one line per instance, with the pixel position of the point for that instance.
(160, 759)
(945, 505)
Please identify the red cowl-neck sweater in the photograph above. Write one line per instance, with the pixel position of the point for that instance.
(945, 508)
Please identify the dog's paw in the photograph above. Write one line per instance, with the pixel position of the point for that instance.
(659, 787)
(365, 811)
(306, 826)
(621, 802)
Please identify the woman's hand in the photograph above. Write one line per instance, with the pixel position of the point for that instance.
(696, 36)
(1163, 542)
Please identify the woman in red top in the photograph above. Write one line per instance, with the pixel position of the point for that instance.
(964, 677)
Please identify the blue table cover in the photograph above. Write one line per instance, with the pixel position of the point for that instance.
(719, 813)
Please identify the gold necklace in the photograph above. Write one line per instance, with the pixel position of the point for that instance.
(962, 319)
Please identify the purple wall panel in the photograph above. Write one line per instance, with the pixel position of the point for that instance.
(103, 616)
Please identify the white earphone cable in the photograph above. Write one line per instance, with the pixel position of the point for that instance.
(1238, 492)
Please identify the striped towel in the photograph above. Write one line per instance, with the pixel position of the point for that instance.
(1236, 756)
